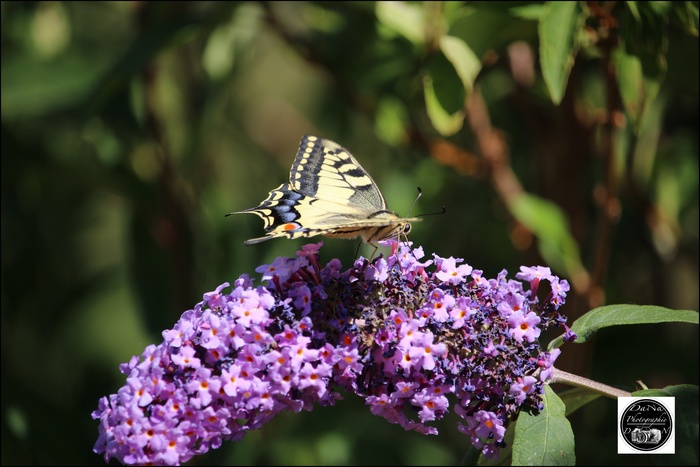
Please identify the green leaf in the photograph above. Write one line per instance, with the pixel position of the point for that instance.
(547, 438)
(485, 26)
(463, 59)
(558, 31)
(685, 423)
(576, 398)
(444, 122)
(549, 224)
(404, 18)
(630, 81)
(614, 315)
(634, 9)
(447, 83)
(686, 14)
(532, 11)
(640, 59)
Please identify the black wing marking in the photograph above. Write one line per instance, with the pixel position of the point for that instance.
(323, 169)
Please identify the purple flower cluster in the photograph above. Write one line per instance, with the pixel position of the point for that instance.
(406, 340)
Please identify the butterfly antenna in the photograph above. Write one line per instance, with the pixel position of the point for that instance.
(399, 234)
(443, 211)
(420, 193)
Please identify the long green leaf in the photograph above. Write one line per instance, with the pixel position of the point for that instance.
(443, 121)
(466, 63)
(448, 87)
(641, 64)
(576, 398)
(614, 315)
(404, 18)
(558, 31)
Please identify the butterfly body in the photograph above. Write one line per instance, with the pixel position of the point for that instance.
(330, 194)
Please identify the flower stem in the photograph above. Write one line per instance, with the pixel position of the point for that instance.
(581, 382)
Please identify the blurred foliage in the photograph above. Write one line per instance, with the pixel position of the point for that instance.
(555, 134)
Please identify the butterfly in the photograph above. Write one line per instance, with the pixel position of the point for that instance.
(329, 193)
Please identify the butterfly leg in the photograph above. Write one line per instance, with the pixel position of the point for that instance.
(399, 236)
(357, 250)
(373, 251)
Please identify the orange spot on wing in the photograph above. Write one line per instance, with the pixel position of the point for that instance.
(290, 226)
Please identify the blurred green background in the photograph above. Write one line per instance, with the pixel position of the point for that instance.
(561, 136)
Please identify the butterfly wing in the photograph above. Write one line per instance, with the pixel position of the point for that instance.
(325, 170)
(329, 193)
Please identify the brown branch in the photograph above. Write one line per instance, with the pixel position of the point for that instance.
(170, 229)
(493, 148)
(607, 194)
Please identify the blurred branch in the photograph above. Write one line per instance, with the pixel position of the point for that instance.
(607, 194)
(309, 52)
(495, 154)
(493, 148)
(170, 227)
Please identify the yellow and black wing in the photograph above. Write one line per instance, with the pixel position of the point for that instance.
(329, 193)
